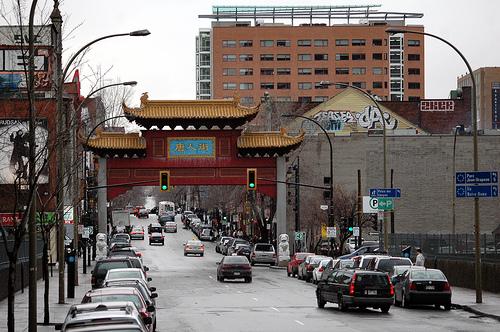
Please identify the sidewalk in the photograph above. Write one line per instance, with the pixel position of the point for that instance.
(464, 298)
(57, 311)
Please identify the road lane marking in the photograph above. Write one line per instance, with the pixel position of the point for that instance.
(239, 292)
(275, 309)
(210, 277)
(299, 322)
(254, 298)
(227, 286)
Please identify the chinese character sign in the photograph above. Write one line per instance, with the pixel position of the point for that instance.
(191, 147)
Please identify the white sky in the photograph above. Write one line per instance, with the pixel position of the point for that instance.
(164, 62)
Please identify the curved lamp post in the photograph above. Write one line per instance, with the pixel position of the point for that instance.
(477, 253)
(328, 83)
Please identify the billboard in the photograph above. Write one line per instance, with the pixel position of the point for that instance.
(14, 150)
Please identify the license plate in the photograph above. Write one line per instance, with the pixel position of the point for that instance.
(430, 287)
(371, 292)
(236, 273)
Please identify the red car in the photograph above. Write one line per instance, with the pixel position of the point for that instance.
(293, 265)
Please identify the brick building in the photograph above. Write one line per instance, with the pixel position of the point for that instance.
(288, 51)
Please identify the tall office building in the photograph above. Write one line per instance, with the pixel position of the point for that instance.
(288, 50)
(487, 96)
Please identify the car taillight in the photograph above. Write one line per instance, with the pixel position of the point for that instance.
(202, 246)
(321, 269)
(246, 267)
(253, 254)
(274, 255)
(310, 268)
(446, 286)
(413, 286)
(391, 285)
(351, 286)
(138, 254)
(162, 237)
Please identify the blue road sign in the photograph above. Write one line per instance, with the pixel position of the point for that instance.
(476, 177)
(477, 191)
(385, 192)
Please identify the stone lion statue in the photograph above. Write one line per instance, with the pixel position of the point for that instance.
(101, 246)
(283, 248)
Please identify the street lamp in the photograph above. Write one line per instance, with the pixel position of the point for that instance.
(477, 253)
(384, 134)
(330, 208)
(453, 198)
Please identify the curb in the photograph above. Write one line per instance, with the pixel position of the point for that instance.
(278, 267)
(475, 311)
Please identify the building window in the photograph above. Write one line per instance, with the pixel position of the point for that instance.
(377, 85)
(320, 57)
(413, 57)
(395, 71)
(246, 71)
(341, 42)
(246, 57)
(377, 70)
(229, 86)
(320, 71)
(267, 71)
(305, 85)
(304, 42)
(413, 85)
(413, 98)
(412, 42)
(246, 86)
(358, 42)
(319, 99)
(283, 71)
(283, 43)
(283, 98)
(305, 71)
(266, 43)
(246, 43)
(395, 57)
(229, 72)
(305, 57)
(229, 57)
(267, 57)
(246, 100)
(341, 56)
(321, 42)
(305, 100)
(361, 85)
(229, 43)
(358, 71)
(377, 56)
(267, 86)
(413, 71)
(204, 73)
(283, 86)
(342, 71)
(358, 56)
(396, 86)
(204, 59)
(377, 42)
(283, 57)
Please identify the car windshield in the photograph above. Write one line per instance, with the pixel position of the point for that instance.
(205, 232)
(386, 265)
(346, 263)
(136, 263)
(194, 243)
(122, 253)
(113, 274)
(400, 269)
(371, 279)
(316, 260)
(104, 267)
(427, 275)
(235, 260)
(121, 236)
(264, 247)
(118, 298)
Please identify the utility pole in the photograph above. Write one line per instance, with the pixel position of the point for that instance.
(297, 200)
(359, 210)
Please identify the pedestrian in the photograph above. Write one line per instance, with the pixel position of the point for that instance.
(420, 260)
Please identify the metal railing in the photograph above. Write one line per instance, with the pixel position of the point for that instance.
(23, 255)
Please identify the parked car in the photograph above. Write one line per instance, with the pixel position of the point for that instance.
(318, 271)
(156, 238)
(295, 261)
(125, 273)
(120, 237)
(385, 264)
(155, 228)
(102, 267)
(307, 267)
(116, 294)
(194, 247)
(263, 253)
(137, 263)
(137, 232)
(113, 313)
(138, 283)
(231, 248)
(423, 286)
(362, 262)
(125, 251)
(399, 270)
(206, 234)
(164, 218)
(220, 243)
(365, 249)
(244, 250)
(234, 267)
(143, 213)
(355, 288)
(171, 227)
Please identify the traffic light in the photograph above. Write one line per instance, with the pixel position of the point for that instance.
(164, 180)
(251, 179)
(350, 224)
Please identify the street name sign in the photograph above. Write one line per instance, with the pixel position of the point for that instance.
(331, 232)
(385, 192)
(385, 204)
(476, 184)
(477, 191)
(476, 177)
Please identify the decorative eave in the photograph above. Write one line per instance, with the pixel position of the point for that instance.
(268, 143)
(185, 113)
(121, 144)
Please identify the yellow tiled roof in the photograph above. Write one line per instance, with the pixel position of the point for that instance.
(268, 140)
(117, 141)
(190, 109)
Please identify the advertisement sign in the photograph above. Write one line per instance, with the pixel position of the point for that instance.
(10, 219)
(68, 215)
(437, 105)
(14, 150)
(495, 106)
(191, 147)
(18, 35)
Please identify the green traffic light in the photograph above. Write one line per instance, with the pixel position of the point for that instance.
(251, 185)
(350, 229)
(164, 187)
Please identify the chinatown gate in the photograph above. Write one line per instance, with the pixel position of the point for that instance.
(209, 150)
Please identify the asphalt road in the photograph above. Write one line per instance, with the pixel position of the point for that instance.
(191, 299)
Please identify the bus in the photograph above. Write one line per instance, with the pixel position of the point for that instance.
(166, 207)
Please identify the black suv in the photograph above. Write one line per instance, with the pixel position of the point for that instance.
(104, 265)
(355, 288)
